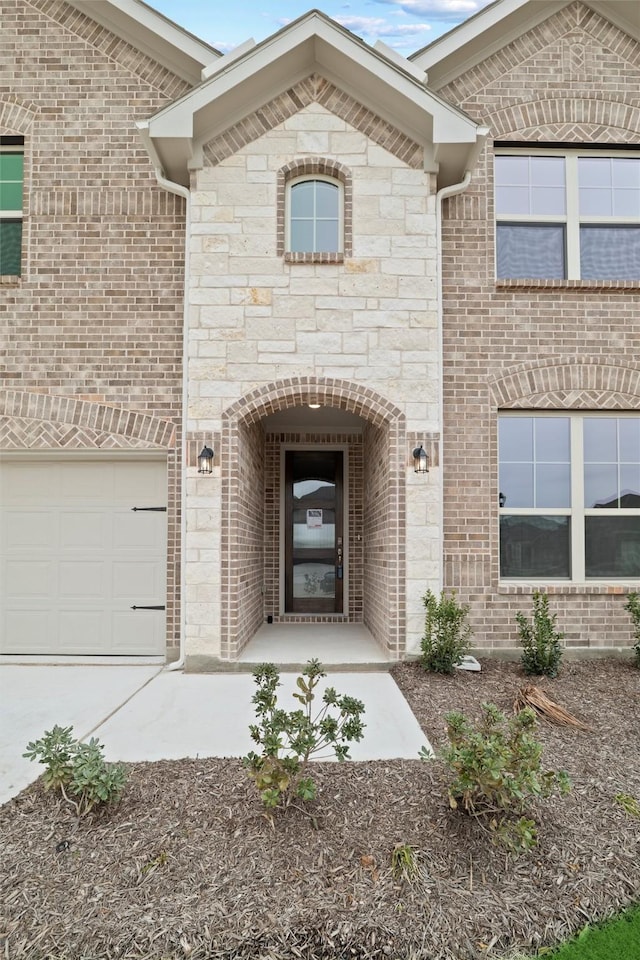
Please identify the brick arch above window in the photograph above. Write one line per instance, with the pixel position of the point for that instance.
(310, 167)
(16, 116)
(570, 383)
(567, 119)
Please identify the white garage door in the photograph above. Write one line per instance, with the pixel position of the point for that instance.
(75, 556)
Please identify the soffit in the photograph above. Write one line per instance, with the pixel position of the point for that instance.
(499, 24)
(152, 34)
(239, 85)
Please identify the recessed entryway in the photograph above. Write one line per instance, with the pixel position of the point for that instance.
(83, 546)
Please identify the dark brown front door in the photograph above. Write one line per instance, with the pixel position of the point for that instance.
(314, 552)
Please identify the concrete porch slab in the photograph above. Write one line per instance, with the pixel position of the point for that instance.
(336, 644)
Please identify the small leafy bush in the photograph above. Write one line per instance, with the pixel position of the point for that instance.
(633, 607)
(288, 740)
(78, 770)
(447, 634)
(497, 771)
(541, 642)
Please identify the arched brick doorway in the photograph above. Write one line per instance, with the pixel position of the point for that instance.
(250, 507)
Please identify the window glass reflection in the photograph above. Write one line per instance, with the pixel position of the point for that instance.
(612, 547)
(535, 546)
(313, 580)
(553, 485)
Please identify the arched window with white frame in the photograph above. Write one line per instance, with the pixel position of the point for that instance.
(314, 215)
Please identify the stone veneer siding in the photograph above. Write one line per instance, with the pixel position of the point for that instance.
(267, 334)
(91, 356)
(534, 345)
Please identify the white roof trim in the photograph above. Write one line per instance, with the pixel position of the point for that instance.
(502, 22)
(250, 76)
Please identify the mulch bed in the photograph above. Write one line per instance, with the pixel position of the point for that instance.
(188, 866)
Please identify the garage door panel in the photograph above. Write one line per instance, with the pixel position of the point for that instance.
(75, 557)
(29, 579)
(32, 631)
(82, 632)
(142, 628)
(25, 529)
(83, 530)
(139, 582)
(139, 531)
(83, 580)
(89, 481)
(28, 484)
(141, 482)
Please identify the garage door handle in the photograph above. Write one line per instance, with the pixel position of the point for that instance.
(149, 608)
(152, 509)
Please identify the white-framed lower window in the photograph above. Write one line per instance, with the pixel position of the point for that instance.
(11, 189)
(314, 215)
(569, 496)
(567, 214)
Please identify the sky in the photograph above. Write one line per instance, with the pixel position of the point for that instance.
(405, 25)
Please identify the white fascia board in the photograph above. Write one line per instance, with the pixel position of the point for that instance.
(153, 34)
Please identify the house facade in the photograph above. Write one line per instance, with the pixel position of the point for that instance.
(311, 259)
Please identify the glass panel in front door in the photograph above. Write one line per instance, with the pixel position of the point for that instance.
(314, 538)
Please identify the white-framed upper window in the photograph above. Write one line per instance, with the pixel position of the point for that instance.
(11, 189)
(569, 496)
(314, 215)
(567, 215)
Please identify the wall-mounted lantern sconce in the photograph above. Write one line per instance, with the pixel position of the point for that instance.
(420, 460)
(205, 460)
(502, 499)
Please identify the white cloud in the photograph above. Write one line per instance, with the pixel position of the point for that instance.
(452, 11)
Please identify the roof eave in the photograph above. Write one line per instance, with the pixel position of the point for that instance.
(152, 34)
(312, 45)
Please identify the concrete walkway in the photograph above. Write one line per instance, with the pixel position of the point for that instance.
(147, 713)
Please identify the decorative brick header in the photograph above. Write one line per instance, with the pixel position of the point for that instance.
(577, 383)
(328, 391)
(601, 118)
(16, 115)
(37, 420)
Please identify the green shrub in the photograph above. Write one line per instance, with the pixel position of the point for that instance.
(633, 606)
(496, 769)
(539, 638)
(447, 634)
(288, 740)
(77, 769)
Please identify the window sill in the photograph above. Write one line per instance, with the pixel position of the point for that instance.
(314, 258)
(9, 280)
(586, 285)
(556, 587)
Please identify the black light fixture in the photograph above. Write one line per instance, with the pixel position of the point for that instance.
(205, 460)
(420, 460)
(502, 499)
